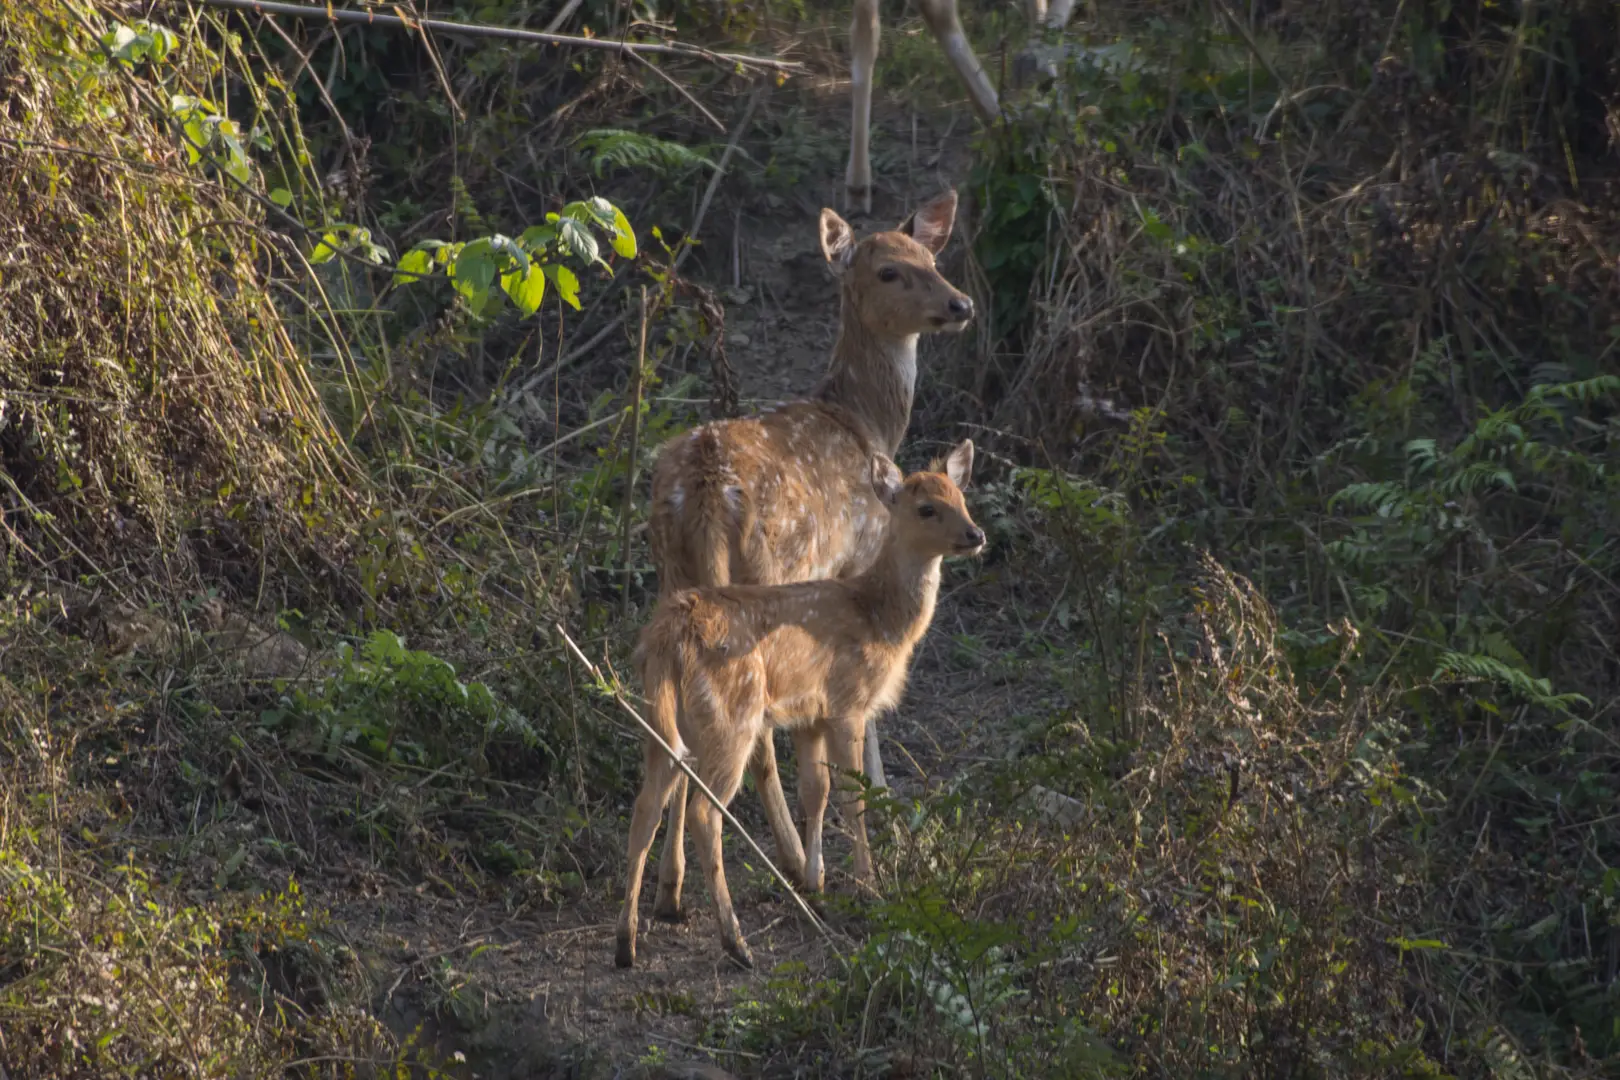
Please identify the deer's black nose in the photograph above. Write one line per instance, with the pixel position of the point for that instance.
(975, 537)
(961, 307)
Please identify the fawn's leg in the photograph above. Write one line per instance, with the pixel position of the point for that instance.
(722, 770)
(658, 781)
(672, 864)
(863, 47)
(872, 764)
(845, 745)
(943, 23)
(810, 748)
(769, 782)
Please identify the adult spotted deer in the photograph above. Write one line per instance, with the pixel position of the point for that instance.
(721, 666)
(778, 497)
(944, 23)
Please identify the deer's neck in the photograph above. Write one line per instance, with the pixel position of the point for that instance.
(898, 593)
(874, 378)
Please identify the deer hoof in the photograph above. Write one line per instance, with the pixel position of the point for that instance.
(667, 908)
(740, 954)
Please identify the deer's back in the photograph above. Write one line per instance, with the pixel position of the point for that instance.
(785, 490)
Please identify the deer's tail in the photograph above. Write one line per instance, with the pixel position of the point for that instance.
(725, 513)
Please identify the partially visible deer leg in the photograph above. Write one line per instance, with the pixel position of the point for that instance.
(873, 765)
(656, 786)
(723, 772)
(810, 750)
(946, 26)
(1037, 60)
(672, 864)
(863, 47)
(1059, 14)
(844, 750)
(769, 782)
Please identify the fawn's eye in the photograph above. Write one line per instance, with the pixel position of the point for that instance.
(888, 273)
(925, 511)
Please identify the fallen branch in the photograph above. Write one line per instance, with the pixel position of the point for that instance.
(349, 15)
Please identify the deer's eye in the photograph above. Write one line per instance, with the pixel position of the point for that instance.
(925, 511)
(888, 273)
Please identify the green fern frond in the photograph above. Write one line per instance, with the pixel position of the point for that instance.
(1480, 668)
(1477, 477)
(616, 148)
(1381, 497)
(1585, 391)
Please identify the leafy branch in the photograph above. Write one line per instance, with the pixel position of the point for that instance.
(524, 265)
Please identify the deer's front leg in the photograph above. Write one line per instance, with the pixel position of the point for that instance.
(845, 745)
(873, 763)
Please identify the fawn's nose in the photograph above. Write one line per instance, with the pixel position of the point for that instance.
(974, 537)
(961, 307)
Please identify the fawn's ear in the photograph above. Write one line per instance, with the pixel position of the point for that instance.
(886, 479)
(959, 463)
(837, 241)
(930, 224)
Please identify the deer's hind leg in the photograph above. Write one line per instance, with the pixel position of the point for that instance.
(946, 26)
(656, 786)
(810, 748)
(725, 716)
(672, 864)
(722, 770)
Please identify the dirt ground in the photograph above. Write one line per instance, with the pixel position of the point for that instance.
(554, 1004)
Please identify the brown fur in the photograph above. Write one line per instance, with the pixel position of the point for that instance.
(723, 665)
(780, 496)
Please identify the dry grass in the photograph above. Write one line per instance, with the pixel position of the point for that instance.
(159, 422)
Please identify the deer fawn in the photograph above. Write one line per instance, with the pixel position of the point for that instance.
(778, 497)
(943, 23)
(721, 666)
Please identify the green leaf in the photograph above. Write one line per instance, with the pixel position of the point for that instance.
(526, 287)
(536, 237)
(595, 209)
(474, 272)
(567, 284)
(120, 41)
(578, 239)
(196, 132)
(326, 249)
(505, 245)
(624, 237)
(281, 197)
(414, 266)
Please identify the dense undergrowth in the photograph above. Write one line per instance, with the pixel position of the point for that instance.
(1351, 270)
(1302, 349)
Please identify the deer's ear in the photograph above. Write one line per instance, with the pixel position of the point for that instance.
(837, 241)
(959, 463)
(886, 480)
(930, 224)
